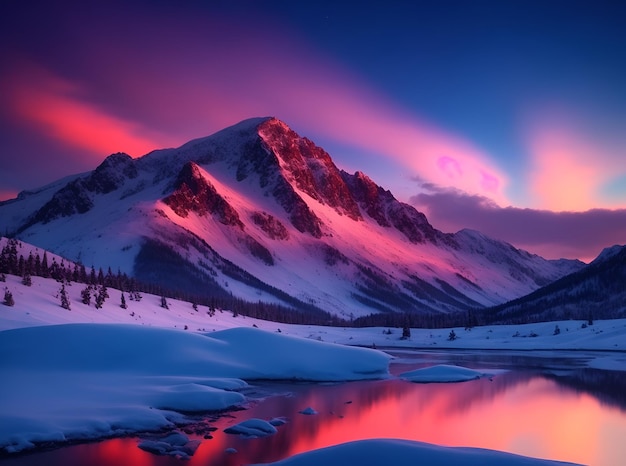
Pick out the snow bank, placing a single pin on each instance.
(407, 453)
(83, 381)
(441, 373)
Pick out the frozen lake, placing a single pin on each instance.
(540, 404)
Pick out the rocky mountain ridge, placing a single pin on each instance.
(257, 211)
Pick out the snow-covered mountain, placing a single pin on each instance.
(257, 211)
(597, 291)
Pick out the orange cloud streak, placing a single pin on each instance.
(570, 164)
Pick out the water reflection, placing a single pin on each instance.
(553, 415)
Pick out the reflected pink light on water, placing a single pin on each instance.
(515, 412)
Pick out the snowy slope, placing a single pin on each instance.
(39, 305)
(260, 212)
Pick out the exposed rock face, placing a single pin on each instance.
(193, 192)
(111, 174)
(260, 160)
(76, 196)
(411, 222)
(72, 199)
(371, 197)
(270, 225)
(309, 167)
(380, 205)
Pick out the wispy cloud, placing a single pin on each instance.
(62, 110)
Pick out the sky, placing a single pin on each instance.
(504, 117)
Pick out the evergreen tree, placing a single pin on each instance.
(452, 335)
(85, 295)
(8, 298)
(32, 266)
(123, 303)
(101, 296)
(194, 306)
(65, 301)
(3, 277)
(27, 280)
(45, 271)
(164, 303)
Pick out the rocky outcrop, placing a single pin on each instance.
(112, 173)
(193, 192)
(380, 205)
(272, 227)
(264, 163)
(72, 199)
(371, 197)
(309, 167)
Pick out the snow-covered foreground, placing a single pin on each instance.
(81, 381)
(90, 373)
(407, 453)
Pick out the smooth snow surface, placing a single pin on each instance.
(393, 452)
(82, 381)
(441, 373)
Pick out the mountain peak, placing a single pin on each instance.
(220, 210)
(309, 167)
(608, 253)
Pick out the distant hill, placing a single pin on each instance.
(597, 291)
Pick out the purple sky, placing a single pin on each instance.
(511, 114)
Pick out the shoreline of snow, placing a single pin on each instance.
(88, 381)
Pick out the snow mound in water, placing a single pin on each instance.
(441, 373)
(252, 428)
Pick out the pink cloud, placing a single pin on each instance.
(144, 89)
(59, 108)
(571, 162)
(450, 167)
(7, 194)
